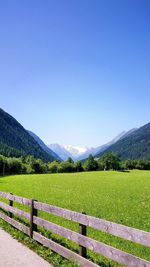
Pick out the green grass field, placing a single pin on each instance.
(118, 197)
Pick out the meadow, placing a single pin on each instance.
(121, 197)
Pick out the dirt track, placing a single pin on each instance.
(14, 254)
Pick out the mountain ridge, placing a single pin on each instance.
(81, 153)
(134, 146)
(43, 145)
(60, 150)
(17, 140)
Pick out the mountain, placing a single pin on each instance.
(127, 133)
(81, 153)
(44, 147)
(61, 151)
(76, 151)
(100, 149)
(16, 141)
(134, 145)
(66, 151)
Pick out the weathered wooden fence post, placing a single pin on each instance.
(82, 231)
(33, 212)
(11, 205)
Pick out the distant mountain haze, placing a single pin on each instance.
(94, 151)
(66, 151)
(76, 151)
(61, 151)
(80, 153)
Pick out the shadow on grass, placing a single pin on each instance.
(125, 171)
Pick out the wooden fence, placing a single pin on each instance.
(84, 242)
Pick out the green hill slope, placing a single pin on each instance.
(45, 147)
(16, 141)
(135, 146)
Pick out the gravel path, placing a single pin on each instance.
(14, 254)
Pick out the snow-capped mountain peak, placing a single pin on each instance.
(75, 151)
(80, 153)
(65, 151)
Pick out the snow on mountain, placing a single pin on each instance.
(61, 151)
(66, 151)
(75, 151)
(80, 153)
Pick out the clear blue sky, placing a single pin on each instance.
(76, 71)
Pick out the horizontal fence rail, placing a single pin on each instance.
(118, 230)
(20, 200)
(84, 242)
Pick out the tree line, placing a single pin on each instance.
(30, 165)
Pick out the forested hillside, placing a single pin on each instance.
(45, 147)
(134, 146)
(16, 141)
